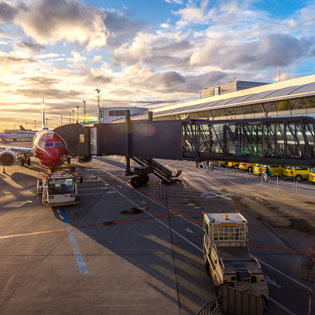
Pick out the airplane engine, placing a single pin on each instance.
(7, 158)
(85, 158)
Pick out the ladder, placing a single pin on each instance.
(158, 169)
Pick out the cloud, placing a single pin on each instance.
(7, 59)
(77, 59)
(97, 59)
(7, 12)
(48, 22)
(174, 1)
(138, 49)
(192, 14)
(29, 46)
(271, 50)
(121, 28)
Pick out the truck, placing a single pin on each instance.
(58, 189)
(227, 257)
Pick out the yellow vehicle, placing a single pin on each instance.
(312, 175)
(219, 163)
(233, 164)
(275, 169)
(296, 172)
(246, 166)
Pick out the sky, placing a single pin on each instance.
(142, 53)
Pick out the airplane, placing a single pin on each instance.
(48, 149)
(16, 136)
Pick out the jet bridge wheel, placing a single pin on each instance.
(22, 161)
(28, 161)
(144, 179)
(136, 181)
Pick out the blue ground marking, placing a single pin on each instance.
(80, 261)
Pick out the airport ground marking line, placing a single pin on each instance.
(292, 279)
(142, 193)
(195, 246)
(89, 194)
(95, 188)
(162, 223)
(281, 306)
(75, 247)
(285, 275)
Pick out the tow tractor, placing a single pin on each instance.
(226, 254)
(59, 189)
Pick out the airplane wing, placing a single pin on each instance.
(16, 135)
(17, 149)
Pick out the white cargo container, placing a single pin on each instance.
(226, 254)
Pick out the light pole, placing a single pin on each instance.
(98, 104)
(69, 117)
(84, 111)
(60, 120)
(77, 114)
(72, 115)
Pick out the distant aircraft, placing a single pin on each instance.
(48, 149)
(16, 136)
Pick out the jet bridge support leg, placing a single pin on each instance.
(128, 171)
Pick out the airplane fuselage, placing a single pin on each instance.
(49, 149)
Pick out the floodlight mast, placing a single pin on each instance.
(98, 104)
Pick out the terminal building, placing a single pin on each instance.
(242, 100)
(110, 114)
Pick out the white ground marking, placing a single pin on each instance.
(156, 219)
(88, 194)
(188, 230)
(17, 204)
(272, 282)
(283, 274)
(195, 246)
(281, 306)
(95, 188)
(216, 195)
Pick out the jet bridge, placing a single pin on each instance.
(282, 140)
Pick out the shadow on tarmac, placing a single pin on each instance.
(147, 245)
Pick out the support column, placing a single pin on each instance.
(150, 116)
(128, 143)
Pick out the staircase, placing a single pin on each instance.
(158, 169)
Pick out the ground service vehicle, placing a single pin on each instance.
(296, 172)
(226, 254)
(275, 169)
(312, 175)
(246, 166)
(219, 163)
(233, 164)
(58, 189)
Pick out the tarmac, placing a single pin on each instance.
(139, 251)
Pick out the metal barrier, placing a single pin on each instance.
(210, 308)
(235, 302)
